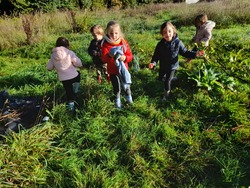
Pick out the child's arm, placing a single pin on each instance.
(106, 58)
(195, 36)
(128, 55)
(183, 51)
(50, 65)
(92, 49)
(207, 36)
(155, 58)
(76, 60)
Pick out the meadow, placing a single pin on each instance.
(200, 137)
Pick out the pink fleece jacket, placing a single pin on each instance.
(204, 33)
(65, 62)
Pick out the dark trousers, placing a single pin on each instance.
(168, 80)
(68, 86)
(116, 83)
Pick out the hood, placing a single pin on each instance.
(209, 25)
(59, 53)
(175, 37)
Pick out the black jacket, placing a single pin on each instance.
(167, 54)
(95, 46)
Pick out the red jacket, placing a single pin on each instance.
(111, 67)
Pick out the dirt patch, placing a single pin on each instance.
(21, 113)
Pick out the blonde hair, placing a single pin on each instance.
(97, 29)
(165, 24)
(112, 24)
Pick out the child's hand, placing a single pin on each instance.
(151, 65)
(200, 53)
(122, 58)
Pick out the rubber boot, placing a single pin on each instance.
(166, 95)
(71, 106)
(76, 86)
(118, 103)
(129, 99)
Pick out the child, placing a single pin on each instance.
(65, 62)
(117, 54)
(94, 51)
(203, 33)
(204, 29)
(166, 52)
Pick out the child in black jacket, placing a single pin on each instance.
(166, 52)
(94, 50)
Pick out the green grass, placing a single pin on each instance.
(198, 138)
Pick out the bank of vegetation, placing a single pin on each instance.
(200, 137)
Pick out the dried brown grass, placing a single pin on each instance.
(11, 33)
(25, 29)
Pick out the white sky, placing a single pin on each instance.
(191, 1)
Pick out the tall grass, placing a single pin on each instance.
(224, 12)
(24, 156)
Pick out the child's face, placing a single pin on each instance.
(168, 33)
(97, 36)
(114, 33)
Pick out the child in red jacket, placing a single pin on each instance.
(117, 54)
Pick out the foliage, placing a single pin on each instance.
(35, 5)
(208, 78)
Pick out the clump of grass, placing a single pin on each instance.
(24, 154)
(11, 33)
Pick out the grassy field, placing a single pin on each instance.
(200, 137)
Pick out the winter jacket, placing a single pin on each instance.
(94, 50)
(106, 58)
(65, 62)
(167, 54)
(204, 33)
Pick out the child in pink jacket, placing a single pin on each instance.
(203, 32)
(204, 29)
(65, 62)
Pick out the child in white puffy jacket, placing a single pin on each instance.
(65, 62)
(204, 29)
(203, 32)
